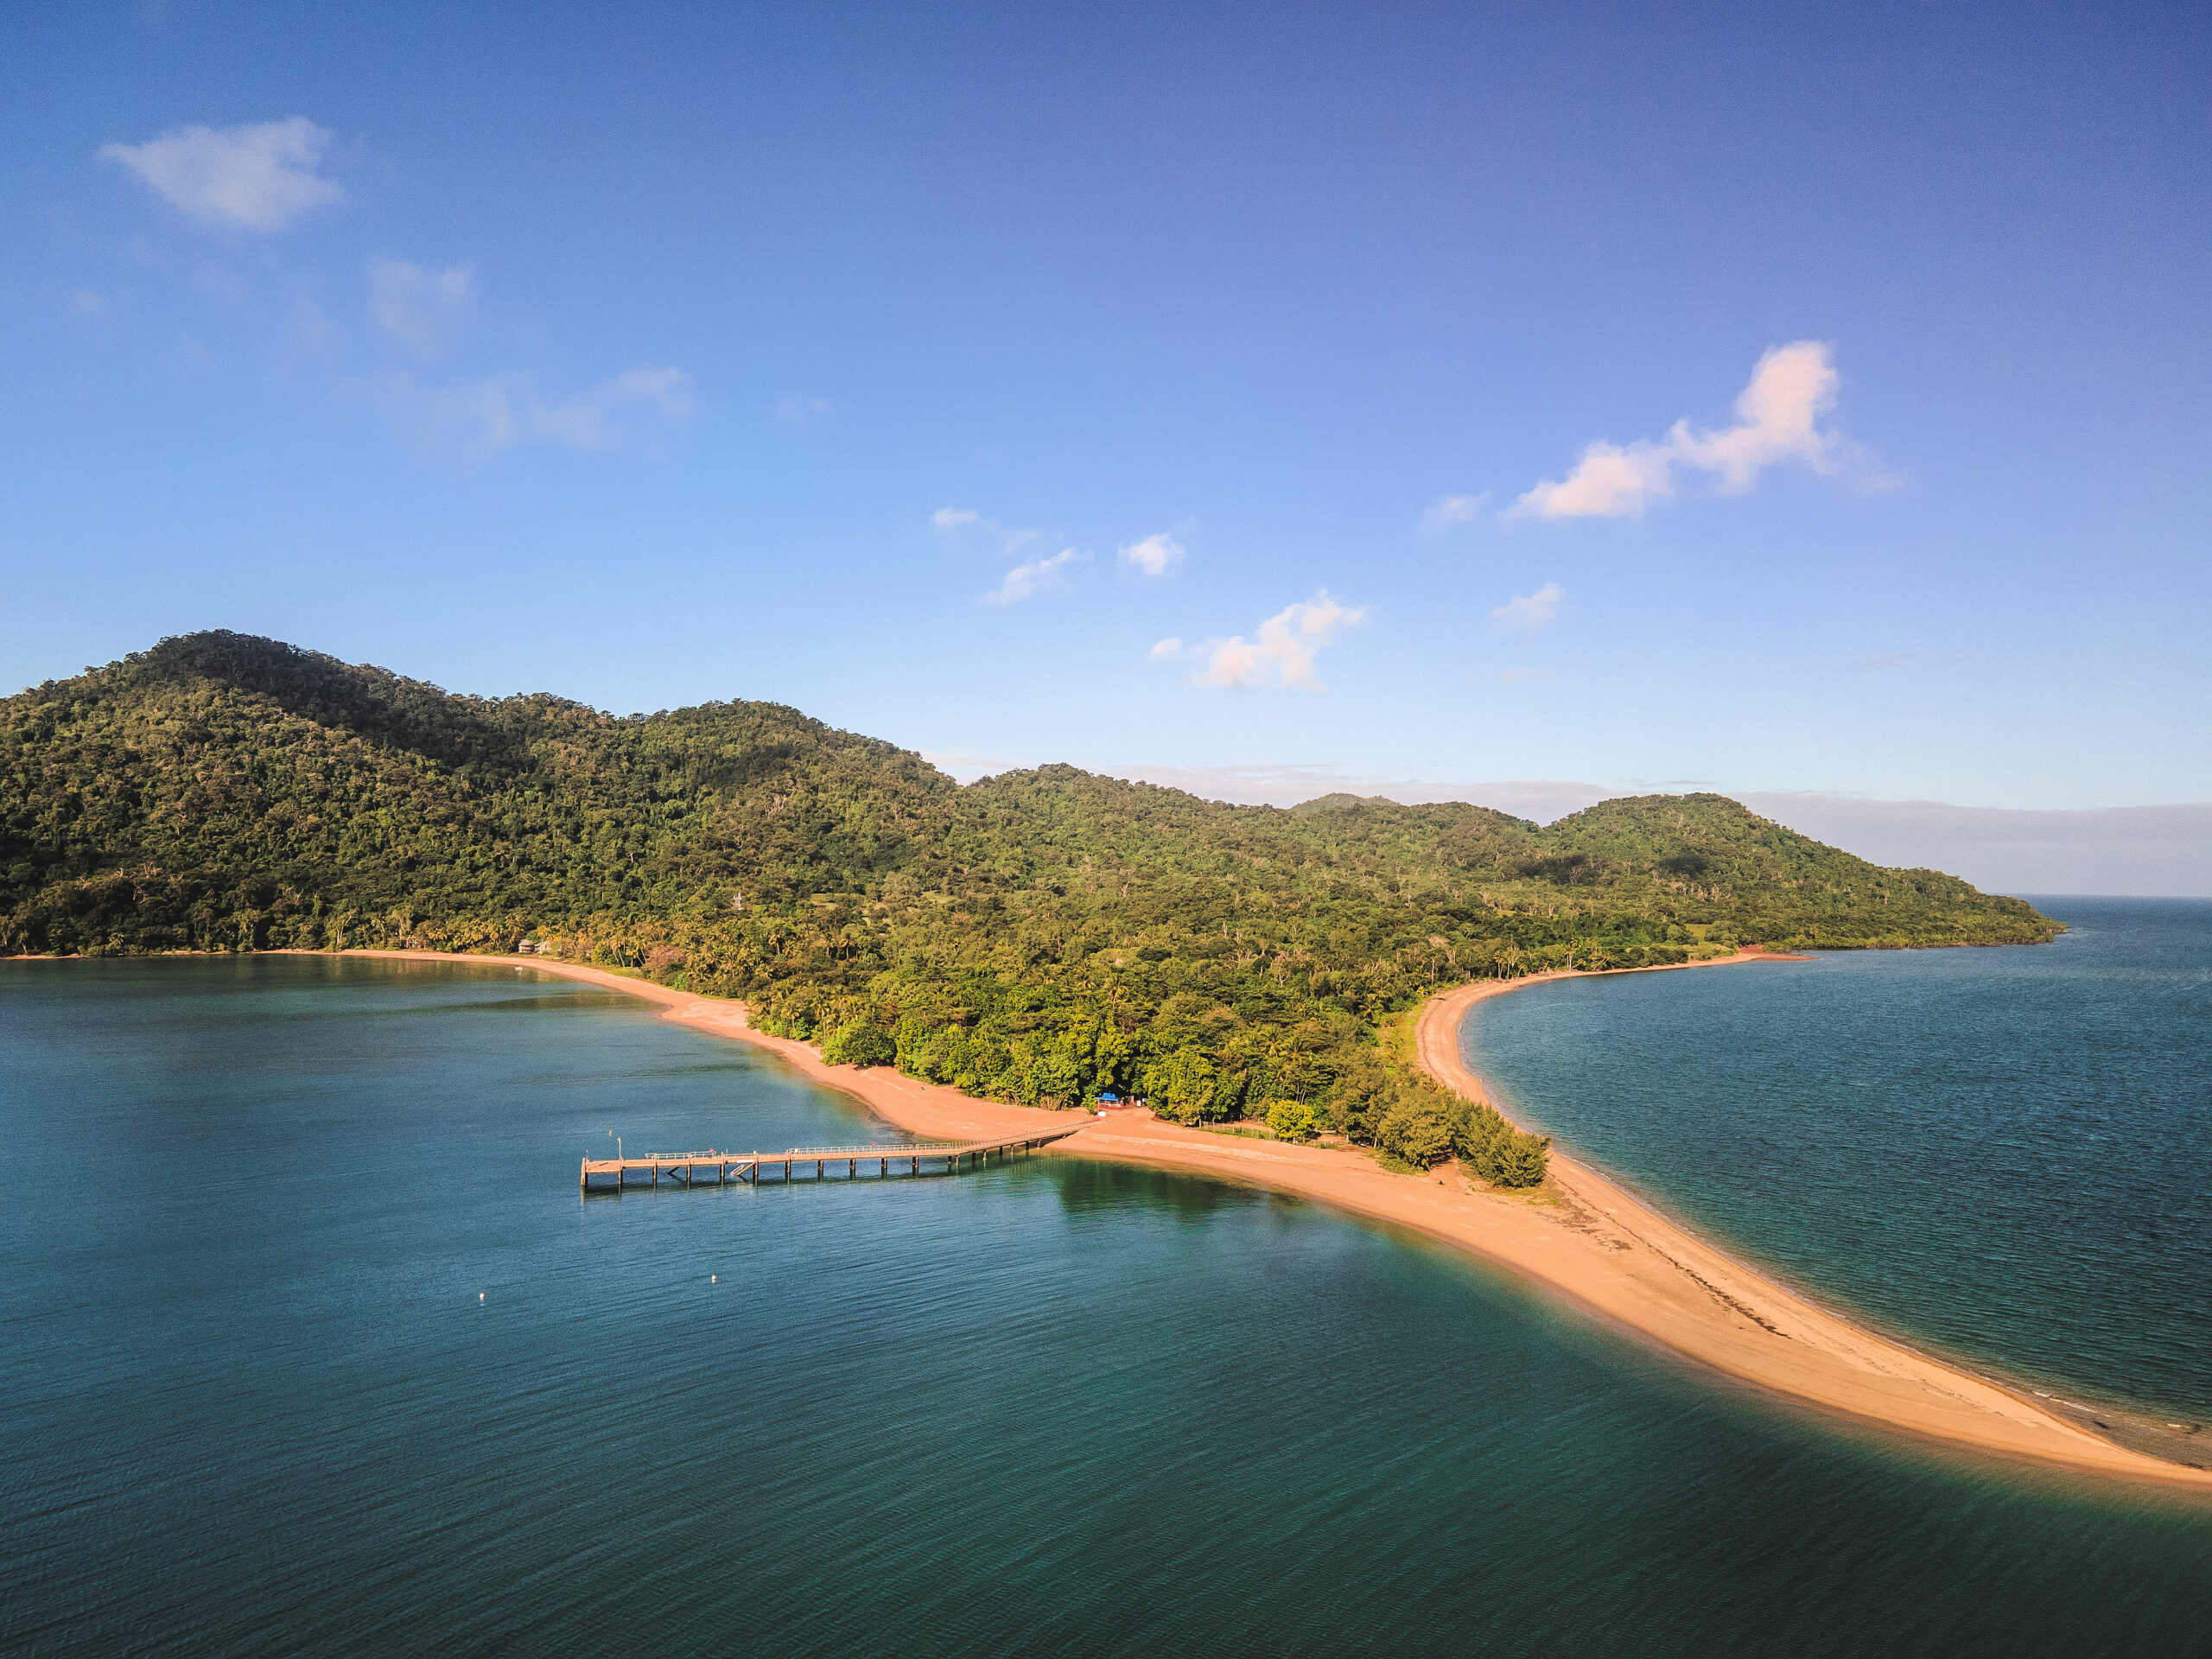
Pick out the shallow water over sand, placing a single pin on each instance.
(250, 1403)
(2007, 1153)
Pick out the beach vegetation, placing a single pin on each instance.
(1416, 1130)
(860, 1042)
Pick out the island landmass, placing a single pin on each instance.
(1046, 935)
(963, 958)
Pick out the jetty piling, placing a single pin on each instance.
(754, 1167)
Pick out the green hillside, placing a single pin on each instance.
(1039, 935)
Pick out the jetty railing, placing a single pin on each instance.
(714, 1167)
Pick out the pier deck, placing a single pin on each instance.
(712, 1167)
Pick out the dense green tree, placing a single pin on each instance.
(1038, 936)
(860, 1042)
(1185, 1087)
(1416, 1129)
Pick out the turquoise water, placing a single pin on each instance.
(2006, 1152)
(250, 1401)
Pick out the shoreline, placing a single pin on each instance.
(1581, 1236)
(1833, 1363)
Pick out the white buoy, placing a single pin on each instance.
(479, 1295)
(714, 1278)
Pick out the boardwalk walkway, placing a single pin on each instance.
(713, 1168)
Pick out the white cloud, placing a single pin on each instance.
(1154, 554)
(1793, 386)
(1025, 580)
(1778, 418)
(1531, 611)
(1610, 483)
(250, 178)
(418, 307)
(954, 518)
(1283, 654)
(1452, 511)
(800, 411)
(1167, 650)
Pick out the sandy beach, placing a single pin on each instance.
(1581, 1237)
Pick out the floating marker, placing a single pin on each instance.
(479, 1295)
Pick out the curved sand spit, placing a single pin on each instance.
(1592, 1242)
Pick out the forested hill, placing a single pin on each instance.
(1038, 934)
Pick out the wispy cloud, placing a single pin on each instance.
(461, 419)
(420, 307)
(259, 177)
(1025, 580)
(1155, 555)
(1777, 420)
(1452, 512)
(95, 313)
(586, 422)
(486, 416)
(247, 178)
(1519, 675)
(1011, 542)
(1531, 611)
(1167, 650)
(1880, 662)
(1033, 576)
(802, 411)
(1283, 653)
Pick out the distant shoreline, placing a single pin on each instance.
(1581, 1236)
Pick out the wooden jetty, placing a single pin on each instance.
(713, 1168)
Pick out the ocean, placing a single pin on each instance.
(310, 1346)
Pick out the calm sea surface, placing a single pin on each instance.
(2008, 1153)
(250, 1402)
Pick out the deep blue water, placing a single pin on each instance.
(2006, 1152)
(250, 1403)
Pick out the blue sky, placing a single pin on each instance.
(1204, 392)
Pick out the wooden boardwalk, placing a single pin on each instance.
(713, 1168)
